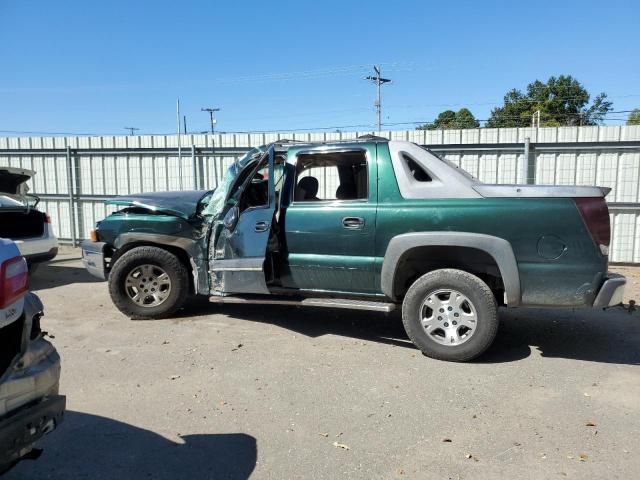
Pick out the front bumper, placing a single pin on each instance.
(93, 258)
(612, 291)
(20, 430)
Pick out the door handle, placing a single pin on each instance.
(261, 226)
(353, 223)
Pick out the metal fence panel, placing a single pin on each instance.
(75, 174)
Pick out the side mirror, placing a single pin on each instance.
(231, 218)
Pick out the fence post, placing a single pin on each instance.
(215, 166)
(194, 166)
(530, 161)
(72, 213)
(200, 170)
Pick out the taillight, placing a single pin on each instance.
(595, 214)
(47, 218)
(14, 280)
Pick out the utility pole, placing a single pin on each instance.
(131, 129)
(534, 117)
(211, 112)
(378, 81)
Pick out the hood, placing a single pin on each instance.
(183, 204)
(13, 180)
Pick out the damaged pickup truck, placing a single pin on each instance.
(367, 224)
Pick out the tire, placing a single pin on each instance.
(148, 283)
(450, 315)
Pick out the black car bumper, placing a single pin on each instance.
(42, 257)
(22, 428)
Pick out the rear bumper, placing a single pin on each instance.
(612, 291)
(39, 249)
(93, 258)
(24, 427)
(42, 257)
(29, 402)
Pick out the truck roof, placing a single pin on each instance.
(448, 180)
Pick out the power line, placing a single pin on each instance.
(471, 104)
(390, 124)
(330, 127)
(308, 74)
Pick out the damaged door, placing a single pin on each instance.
(238, 264)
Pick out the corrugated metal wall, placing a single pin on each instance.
(75, 174)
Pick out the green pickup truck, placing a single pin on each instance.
(368, 224)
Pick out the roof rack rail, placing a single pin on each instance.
(369, 136)
(283, 142)
(290, 140)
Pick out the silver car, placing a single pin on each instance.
(30, 405)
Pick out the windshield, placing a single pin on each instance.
(220, 194)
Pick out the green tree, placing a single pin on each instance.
(634, 117)
(465, 119)
(449, 119)
(561, 101)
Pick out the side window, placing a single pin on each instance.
(415, 169)
(331, 176)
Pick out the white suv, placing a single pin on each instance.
(29, 228)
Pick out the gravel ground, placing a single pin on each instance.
(280, 392)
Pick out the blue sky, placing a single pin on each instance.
(95, 67)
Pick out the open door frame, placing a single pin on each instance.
(240, 250)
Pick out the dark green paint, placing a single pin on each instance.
(520, 221)
(153, 224)
(322, 255)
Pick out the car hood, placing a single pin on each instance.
(183, 204)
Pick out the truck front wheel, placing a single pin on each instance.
(148, 282)
(450, 315)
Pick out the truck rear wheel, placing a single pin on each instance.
(148, 282)
(450, 315)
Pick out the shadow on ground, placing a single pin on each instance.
(581, 334)
(59, 274)
(310, 321)
(93, 447)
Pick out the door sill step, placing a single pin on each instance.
(347, 303)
